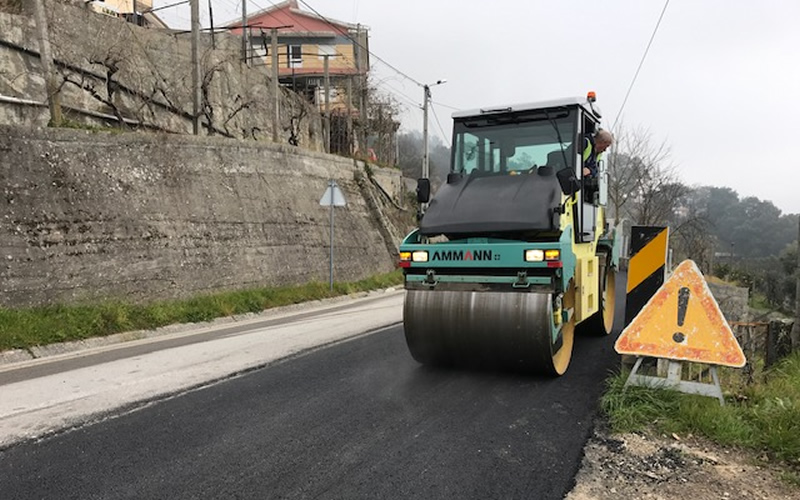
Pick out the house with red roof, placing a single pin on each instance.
(305, 38)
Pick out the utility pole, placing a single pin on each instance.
(211, 19)
(427, 89)
(276, 117)
(245, 33)
(195, 4)
(361, 69)
(425, 172)
(350, 115)
(327, 134)
(795, 335)
(53, 95)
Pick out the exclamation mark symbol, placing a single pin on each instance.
(683, 303)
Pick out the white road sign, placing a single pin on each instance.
(333, 196)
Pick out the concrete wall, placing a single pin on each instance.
(732, 300)
(90, 216)
(112, 71)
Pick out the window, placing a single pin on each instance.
(295, 56)
(507, 143)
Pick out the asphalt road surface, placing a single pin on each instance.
(359, 419)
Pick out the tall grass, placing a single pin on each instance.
(24, 328)
(766, 416)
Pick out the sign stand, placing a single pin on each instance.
(332, 197)
(674, 381)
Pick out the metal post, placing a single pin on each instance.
(195, 4)
(331, 185)
(276, 118)
(327, 104)
(53, 95)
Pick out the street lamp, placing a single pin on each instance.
(425, 166)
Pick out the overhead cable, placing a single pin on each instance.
(646, 50)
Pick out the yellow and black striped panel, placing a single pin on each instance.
(646, 268)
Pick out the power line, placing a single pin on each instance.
(446, 106)
(410, 100)
(646, 50)
(359, 44)
(444, 136)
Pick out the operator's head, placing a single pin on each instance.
(602, 140)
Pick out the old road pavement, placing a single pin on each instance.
(357, 418)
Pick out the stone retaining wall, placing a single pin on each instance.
(88, 216)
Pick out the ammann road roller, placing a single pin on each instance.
(513, 253)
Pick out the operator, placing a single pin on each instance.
(595, 146)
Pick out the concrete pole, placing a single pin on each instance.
(361, 69)
(327, 122)
(53, 95)
(276, 118)
(245, 33)
(211, 21)
(425, 167)
(350, 116)
(195, 4)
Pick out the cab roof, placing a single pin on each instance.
(512, 108)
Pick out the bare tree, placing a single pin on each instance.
(383, 112)
(643, 184)
(378, 124)
(691, 234)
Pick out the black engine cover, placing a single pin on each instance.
(494, 204)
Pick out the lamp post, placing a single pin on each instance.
(427, 89)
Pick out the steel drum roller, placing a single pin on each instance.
(509, 330)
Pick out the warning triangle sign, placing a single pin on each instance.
(682, 321)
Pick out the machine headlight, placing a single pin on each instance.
(534, 255)
(420, 256)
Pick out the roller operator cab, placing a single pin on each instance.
(513, 253)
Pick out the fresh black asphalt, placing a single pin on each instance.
(360, 419)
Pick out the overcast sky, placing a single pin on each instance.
(717, 86)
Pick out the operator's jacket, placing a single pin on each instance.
(590, 156)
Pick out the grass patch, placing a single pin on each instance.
(24, 328)
(766, 417)
(759, 301)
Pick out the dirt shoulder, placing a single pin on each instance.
(641, 466)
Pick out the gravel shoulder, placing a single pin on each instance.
(646, 466)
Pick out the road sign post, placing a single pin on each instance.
(332, 197)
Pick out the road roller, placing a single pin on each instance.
(512, 258)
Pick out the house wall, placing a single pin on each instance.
(89, 216)
(126, 6)
(342, 58)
